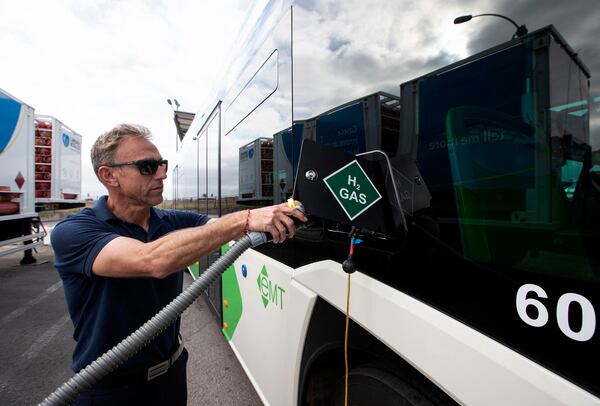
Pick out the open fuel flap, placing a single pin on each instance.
(363, 191)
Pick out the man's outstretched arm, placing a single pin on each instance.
(127, 257)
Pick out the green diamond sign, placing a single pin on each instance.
(352, 189)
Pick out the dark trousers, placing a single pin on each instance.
(168, 389)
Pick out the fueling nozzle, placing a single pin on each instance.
(293, 204)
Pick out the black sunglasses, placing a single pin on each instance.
(145, 166)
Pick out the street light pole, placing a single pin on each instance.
(521, 30)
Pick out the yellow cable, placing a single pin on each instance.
(346, 342)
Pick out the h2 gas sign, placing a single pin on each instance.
(352, 189)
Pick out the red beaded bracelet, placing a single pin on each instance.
(247, 221)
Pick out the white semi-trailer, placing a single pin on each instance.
(40, 167)
(57, 164)
(17, 186)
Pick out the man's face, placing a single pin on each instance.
(143, 189)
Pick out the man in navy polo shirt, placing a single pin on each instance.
(120, 263)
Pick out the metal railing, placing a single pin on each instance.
(36, 238)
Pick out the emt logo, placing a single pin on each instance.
(269, 291)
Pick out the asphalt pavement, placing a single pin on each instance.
(36, 341)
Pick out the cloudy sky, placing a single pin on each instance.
(94, 64)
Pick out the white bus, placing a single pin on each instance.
(486, 289)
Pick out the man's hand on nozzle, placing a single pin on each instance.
(278, 220)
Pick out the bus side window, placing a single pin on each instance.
(256, 91)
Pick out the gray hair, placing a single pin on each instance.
(103, 150)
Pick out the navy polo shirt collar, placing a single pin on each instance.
(103, 212)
